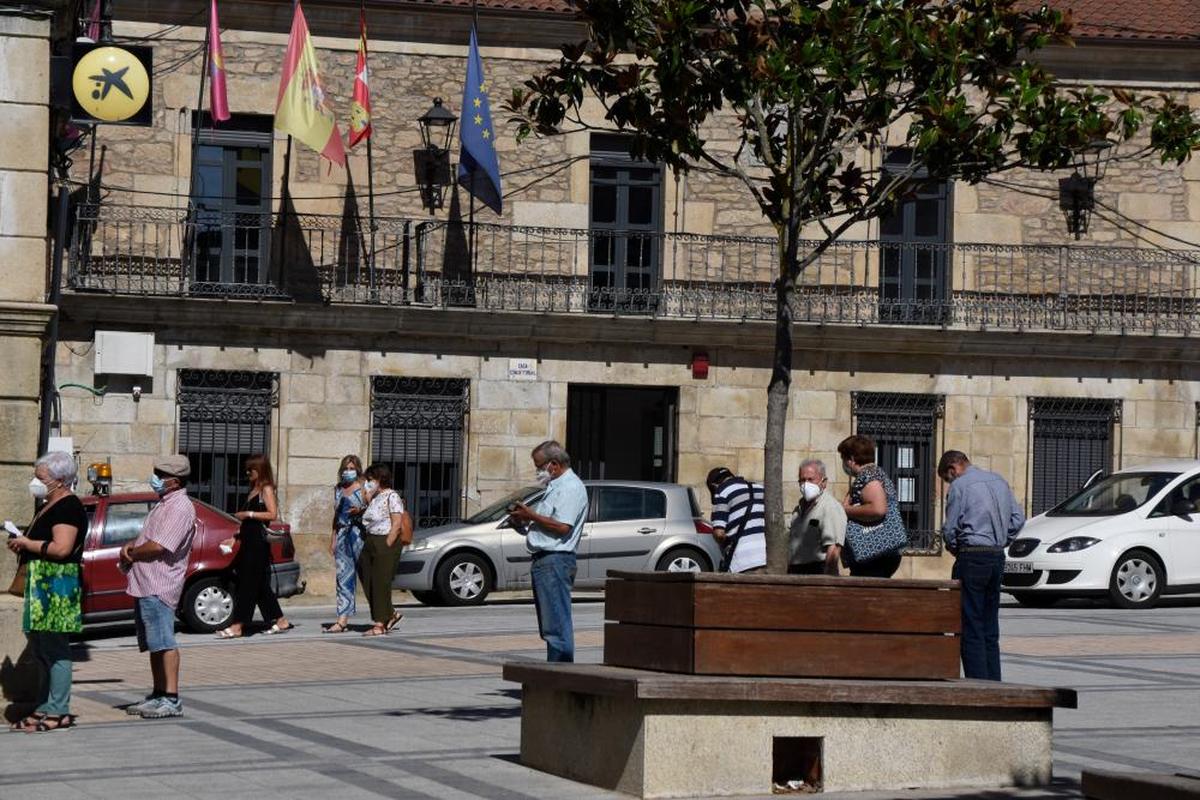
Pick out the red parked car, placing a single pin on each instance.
(207, 601)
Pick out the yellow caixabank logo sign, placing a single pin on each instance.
(112, 84)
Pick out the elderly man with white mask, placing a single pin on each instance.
(818, 527)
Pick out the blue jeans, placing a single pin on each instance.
(980, 574)
(553, 575)
(53, 652)
(155, 622)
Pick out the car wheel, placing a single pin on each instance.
(1137, 580)
(1035, 600)
(426, 598)
(207, 605)
(463, 579)
(683, 559)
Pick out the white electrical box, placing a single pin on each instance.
(124, 353)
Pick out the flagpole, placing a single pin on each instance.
(204, 67)
(370, 170)
(471, 212)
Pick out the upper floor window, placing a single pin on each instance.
(229, 242)
(625, 261)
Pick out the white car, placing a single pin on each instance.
(1132, 536)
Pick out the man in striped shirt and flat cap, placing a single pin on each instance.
(739, 521)
(157, 563)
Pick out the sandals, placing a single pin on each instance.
(28, 723)
(393, 622)
(336, 627)
(378, 630)
(275, 630)
(225, 633)
(48, 723)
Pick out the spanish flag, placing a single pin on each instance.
(301, 110)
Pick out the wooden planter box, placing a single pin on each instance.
(782, 625)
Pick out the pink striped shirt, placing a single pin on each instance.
(171, 524)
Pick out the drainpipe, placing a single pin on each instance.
(53, 298)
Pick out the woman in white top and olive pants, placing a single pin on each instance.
(388, 528)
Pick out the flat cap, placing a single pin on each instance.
(176, 466)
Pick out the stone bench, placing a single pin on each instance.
(658, 734)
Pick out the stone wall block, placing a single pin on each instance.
(303, 471)
(23, 203)
(346, 390)
(814, 405)
(513, 395)
(26, 74)
(531, 423)
(489, 422)
(327, 444)
(303, 388)
(496, 462)
(733, 402)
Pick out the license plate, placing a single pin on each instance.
(1018, 566)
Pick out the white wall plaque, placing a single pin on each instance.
(522, 369)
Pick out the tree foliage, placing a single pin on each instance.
(814, 89)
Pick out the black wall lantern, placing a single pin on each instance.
(432, 162)
(1077, 194)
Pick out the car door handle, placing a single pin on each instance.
(647, 530)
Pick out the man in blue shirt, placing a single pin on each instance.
(982, 517)
(553, 535)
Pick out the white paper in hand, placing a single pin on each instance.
(13, 530)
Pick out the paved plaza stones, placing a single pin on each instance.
(424, 712)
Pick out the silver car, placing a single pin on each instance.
(631, 525)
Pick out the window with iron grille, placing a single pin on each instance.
(1071, 439)
(904, 428)
(417, 429)
(224, 417)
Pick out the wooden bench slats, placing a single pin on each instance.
(804, 607)
(650, 685)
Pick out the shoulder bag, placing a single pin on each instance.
(868, 542)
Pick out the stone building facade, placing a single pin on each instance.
(1040, 357)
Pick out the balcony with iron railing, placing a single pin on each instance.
(161, 252)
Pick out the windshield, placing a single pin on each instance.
(499, 509)
(1116, 494)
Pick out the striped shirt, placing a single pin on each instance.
(738, 508)
(171, 524)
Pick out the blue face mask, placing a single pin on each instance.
(349, 475)
(158, 485)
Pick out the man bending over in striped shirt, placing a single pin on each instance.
(157, 565)
(739, 521)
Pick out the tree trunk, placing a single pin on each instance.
(778, 392)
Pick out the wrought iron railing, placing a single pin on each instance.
(155, 251)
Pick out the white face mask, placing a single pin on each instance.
(846, 469)
(544, 476)
(371, 486)
(810, 490)
(38, 489)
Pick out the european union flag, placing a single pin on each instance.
(478, 167)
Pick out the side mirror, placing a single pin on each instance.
(1182, 508)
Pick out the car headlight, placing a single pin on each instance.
(420, 544)
(1073, 544)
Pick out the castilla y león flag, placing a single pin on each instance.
(219, 100)
(301, 109)
(360, 106)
